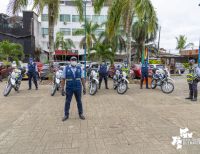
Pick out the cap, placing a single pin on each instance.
(73, 59)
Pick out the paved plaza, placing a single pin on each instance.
(139, 122)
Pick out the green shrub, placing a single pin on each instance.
(153, 61)
(186, 65)
(6, 63)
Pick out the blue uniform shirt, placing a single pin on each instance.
(73, 70)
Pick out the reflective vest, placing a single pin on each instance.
(191, 76)
(103, 70)
(32, 68)
(73, 80)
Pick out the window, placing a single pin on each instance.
(99, 19)
(62, 2)
(74, 30)
(44, 17)
(66, 31)
(45, 31)
(95, 18)
(75, 18)
(88, 17)
(99, 31)
(65, 17)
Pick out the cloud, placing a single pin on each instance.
(178, 17)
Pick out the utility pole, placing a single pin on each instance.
(159, 40)
(85, 50)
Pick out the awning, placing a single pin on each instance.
(64, 52)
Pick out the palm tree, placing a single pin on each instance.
(141, 35)
(124, 12)
(64, 44)
(103, 52)
(182, 43)
(90, 35)
(53, 12)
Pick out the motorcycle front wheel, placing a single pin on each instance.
(7, 89)
(53, 90)
(122, 88)
(153, 84)
(93, 88)
(167, 87)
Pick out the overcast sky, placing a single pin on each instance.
(175, 17)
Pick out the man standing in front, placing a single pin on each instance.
(192, 80)
(74, 77)
(103, 74)
(32, 74)
(144, 71)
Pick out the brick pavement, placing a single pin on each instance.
(141, 121)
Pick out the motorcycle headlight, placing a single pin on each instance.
(58, 75)
(124, 74)
(13, 75)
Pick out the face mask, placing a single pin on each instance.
(73, 63)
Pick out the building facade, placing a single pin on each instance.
(69, 22)
(23, 30)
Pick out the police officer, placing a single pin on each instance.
(144, 71)
(74, 77)
(103, 74)
(32, 73)
(192, 81)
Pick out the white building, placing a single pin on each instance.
(68, 22)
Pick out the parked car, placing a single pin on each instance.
(135, 71)
(4, 71)
(180, 68)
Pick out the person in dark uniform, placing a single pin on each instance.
(103, 74)
(192, 80)
(32, 74)
(74, 77)
(144, 71)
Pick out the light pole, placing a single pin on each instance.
(85, 49)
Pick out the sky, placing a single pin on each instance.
(176, 17)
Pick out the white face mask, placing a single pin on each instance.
(73, 63)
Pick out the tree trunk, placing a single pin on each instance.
(51, 33)
(129, 38)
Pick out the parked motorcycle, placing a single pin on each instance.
(57, 82)
(120, 82)
(162, 78)
(93, 82)
(14, 81)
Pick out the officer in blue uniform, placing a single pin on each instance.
(32, 73)
(103, 74)
(74, 77)
(144, 71)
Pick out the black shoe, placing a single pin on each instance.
(81, 116)
(147, 88)
(141, 88)
(29, 88)
(36, 88)
(188, 98)
(107, 88)
(65, 118)
(194, 99)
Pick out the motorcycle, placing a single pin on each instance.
(14, 81)
(162, 78)
(93, 83)
(57, 82)
(120, 82)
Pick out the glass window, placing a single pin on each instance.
(66, 31)
(74, 30)
(88, 18)
(62, 2)
(75, 18)
(44, 17)
(99, 31)
(45, 31)
(65, 17)
(95, 18)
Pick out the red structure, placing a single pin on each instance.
(63, 55)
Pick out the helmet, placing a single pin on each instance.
(73, 59)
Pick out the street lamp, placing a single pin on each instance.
(85, 50)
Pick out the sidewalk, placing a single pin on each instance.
(139, 122)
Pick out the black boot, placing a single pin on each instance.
(190, 96)
(195, 96)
